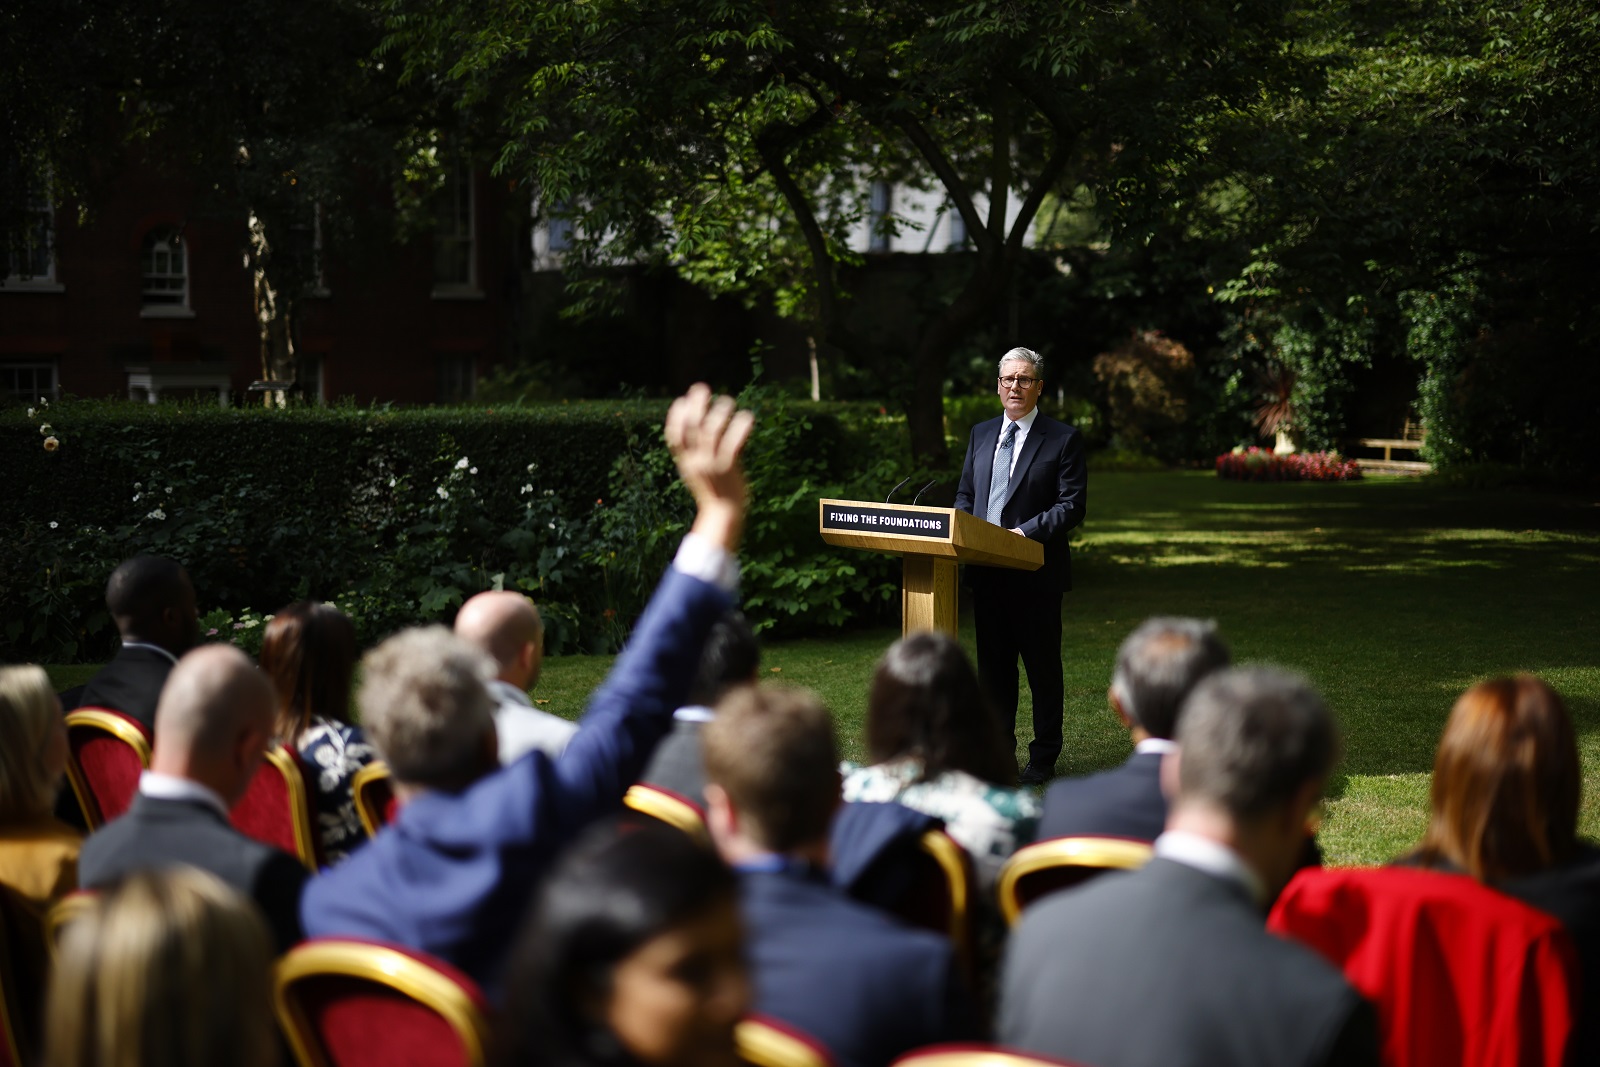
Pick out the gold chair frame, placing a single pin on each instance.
(763, 1045)
(385, 966)
(374, 771)
(668, 808)
(61, 914)
(305, 835)
(123, 730)
(1100, 853)
(953, 861)
(974, 1056)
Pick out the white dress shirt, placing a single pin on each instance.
(171, 787)
(1212, 857)
(1023, 424)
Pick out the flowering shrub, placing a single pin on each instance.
(1261, 465)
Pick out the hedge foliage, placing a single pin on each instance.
(398, 515)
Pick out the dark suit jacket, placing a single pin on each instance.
(677, 764)
(131, 683)
(453, 873)
(1170, 965)
(1047, 494)
(1125, 801)
(851, 977)
(156, 833)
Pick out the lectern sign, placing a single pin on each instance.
(865, 518)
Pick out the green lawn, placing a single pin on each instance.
(1393, 595)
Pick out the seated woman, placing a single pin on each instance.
(633, 956)
(38, 855)
(168, 969)
(1504, 800)
(935, 747)
(309, 652)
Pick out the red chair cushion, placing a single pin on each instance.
(362, 1023)
(110, 768)
(266, 812)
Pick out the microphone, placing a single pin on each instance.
(896, 489)
(924, 489)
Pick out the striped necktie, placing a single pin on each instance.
(1000, 477)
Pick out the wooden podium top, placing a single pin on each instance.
(943, 533)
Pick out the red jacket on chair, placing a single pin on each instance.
(1459, 973)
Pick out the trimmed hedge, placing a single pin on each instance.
(398, 515)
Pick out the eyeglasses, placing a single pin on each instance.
(1021, 380)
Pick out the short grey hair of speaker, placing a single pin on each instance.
(1251, 739)
(1026, 355)
(1160, 663)
(425, 704)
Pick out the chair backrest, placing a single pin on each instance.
(108, 752)
(357, 1003)
(373, 790)
(766, 1042)
(664, 805)
(1045, 867)
(976, 1055)
(1458, 973)
(276, 807)
(24, 967)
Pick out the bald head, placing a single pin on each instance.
(213, 720)
(505, 625)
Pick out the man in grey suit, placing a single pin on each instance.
(731, 659)
(1171, 964)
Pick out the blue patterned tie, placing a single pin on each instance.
(1000, 477)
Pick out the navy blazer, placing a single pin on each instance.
(1045, 498)
(131, 683)
(453, 873)
(155, 833)
(1125, 801)
(865, 986)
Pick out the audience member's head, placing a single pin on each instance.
(168, 969)
(731, 657)
(925, 702)
(507, 626)
(1506, 782)
(1158, 665)
(214, 720)
(308, 652)
(425, 705)
(1257, 745)
(152, 601)
(772, 772)
(632, 956)
(33, 745)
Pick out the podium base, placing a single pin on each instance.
(928, 595)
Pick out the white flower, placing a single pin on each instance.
(552, 526)
(136, 497)
(157, 514)
(252, 624)
(169, 490)
(526, 489)
(461, 464)
(549, 492)
(474, 470)
(532, 467)
(53, 525)
(51, 444)
(30, 413)
(444, 494)
(138, 485)
(392, 483)
(44, 429)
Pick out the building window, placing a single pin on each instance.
(958, 231)
(561, 227)
(164, 273)
(454, 256)
(878, 217)
(30, 381)
(28, 254)
(458, 377)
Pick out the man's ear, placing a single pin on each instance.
(722, 820)
(1170, 768)
(1116, 706)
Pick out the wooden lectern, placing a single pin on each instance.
(933, 541)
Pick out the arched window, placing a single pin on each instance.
(163, 265)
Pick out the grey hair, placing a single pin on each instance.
(425, 704)
(1026, 355)
(1251, 739)
(1159, 663)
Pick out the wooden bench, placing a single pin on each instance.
(1388, 464)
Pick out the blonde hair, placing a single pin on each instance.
(170, 968)
(28, 714)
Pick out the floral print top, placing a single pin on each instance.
(989, 821)
(333, 752)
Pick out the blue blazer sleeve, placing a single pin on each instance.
(967, 487)
(1063, 509)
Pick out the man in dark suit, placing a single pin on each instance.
(212, 727)
(1157, 667)
(1172, 963)
(452, 874)
(731, 658)
(1026, 472)
(152, 602)
(846, 974)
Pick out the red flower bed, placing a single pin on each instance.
(1260, 465)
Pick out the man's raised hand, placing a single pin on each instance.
(706, 436)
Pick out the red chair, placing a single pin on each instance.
(674, 809)
(975, 1055)
(1045, 867)
(24, 965)
(376, 803)
(766, 1042)
(109, 751)
(276, 807)
(1459, 973)
(365, 1004)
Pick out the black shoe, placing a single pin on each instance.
(1032, 775)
